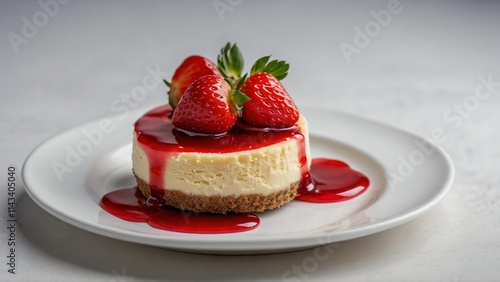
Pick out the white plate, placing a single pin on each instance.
(406, 180)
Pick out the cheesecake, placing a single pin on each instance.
(226, 142)
(247, 169)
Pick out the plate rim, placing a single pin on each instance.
(274, 244)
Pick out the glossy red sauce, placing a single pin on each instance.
(331, 181)
(129, 204)
(326, 181)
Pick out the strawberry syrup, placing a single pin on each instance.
(331, 181)
(326, 181)
(129, 204)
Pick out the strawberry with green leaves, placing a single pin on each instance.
(212, 103)
(190, 69)
(269, 104)
(210, 106)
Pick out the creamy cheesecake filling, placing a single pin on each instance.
(261, 171)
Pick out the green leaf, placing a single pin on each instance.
(167, 83)
(276, 68)
(230, 82)
(238, 99)
(230, 62)
(241, 82)
(259, 65)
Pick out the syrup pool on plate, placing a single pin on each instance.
(129, 204)
(331, 181)
(326, 181)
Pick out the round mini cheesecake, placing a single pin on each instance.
(244, 170)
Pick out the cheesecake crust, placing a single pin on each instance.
(223, 204)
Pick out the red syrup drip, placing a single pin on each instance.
(331, 181)
(129, 204)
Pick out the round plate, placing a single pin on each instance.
(69, 173)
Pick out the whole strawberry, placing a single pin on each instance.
(190, 69)
(208, 106)
(269, 104)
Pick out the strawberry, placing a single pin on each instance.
(191, 68)
(269, 104)
(208, 106)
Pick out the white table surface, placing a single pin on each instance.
(414, 72)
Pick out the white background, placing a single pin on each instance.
(413, 72)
